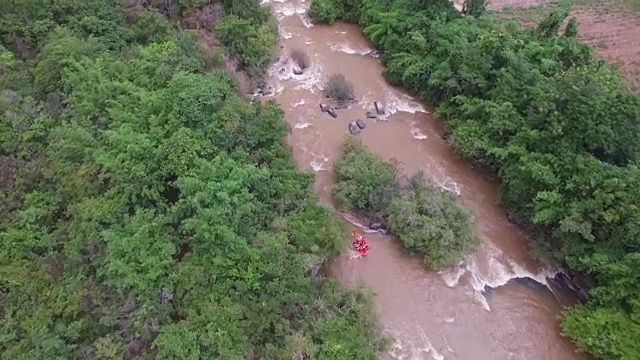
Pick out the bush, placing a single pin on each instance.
(338, 88)
(427, 220)
(300, 58)
(250, 44)
(364, 182)
(327, 11)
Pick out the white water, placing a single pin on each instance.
(500, 269)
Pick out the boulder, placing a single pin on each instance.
(297, 70)
(360, 124)
(354, 129)
(371, 115)
(373, 54)
(379, 108)
(323, 107)
(268, 91)
(331, 111)
(377, 226)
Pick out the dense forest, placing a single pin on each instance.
(147, 209)
(552, 121)
(426, 219)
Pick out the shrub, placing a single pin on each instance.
(427, 220)
(300, 58)
(364, 182)
(338, 88)
(327, 11)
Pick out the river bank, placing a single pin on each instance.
(451, 314)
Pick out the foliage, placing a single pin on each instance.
(556, 125)
(249, 43)
(327, 11)
(300, 58)
(425, 219)
(338, 88)
(428, 220)
(364, 182)
(475, 8)
(148, 210)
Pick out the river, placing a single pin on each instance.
(431, 315)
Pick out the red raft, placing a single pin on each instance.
(360, 244)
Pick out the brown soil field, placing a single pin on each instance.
(609, 27)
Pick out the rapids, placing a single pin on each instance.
(473, 311)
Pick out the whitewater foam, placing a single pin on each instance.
(305, 21)
(298, 103)
(403, 348)
(499, 274)
(310, 79)
(283, 33)
(283, 10)
(443, 181)
(318, 163)
(397, 101)
(302, 125)
(347, 48)
(416, 133)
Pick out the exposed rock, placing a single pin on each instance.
(268, 91)
(354, 129)
(341, 106)
(371, 115)
(282, 70)
(323, 107)
(379, 108)
(297, 70)
(373, 53)
(331, 111)
(576, 284)
(377, 226)
(360, 124)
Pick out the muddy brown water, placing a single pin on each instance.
(431, 315)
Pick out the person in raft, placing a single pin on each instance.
(359, 243)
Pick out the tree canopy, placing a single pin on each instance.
(147, 209)
(554, 122)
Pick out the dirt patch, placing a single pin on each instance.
(611, 28)
(615, 37)
(502, 4)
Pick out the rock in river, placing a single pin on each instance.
(354, 129)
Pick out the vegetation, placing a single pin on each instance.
(249, 43)
(364, 182)
(147, 209)
(555, 123)
(338, 88)
(430, 222)
(426, 219)
(300, 58)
